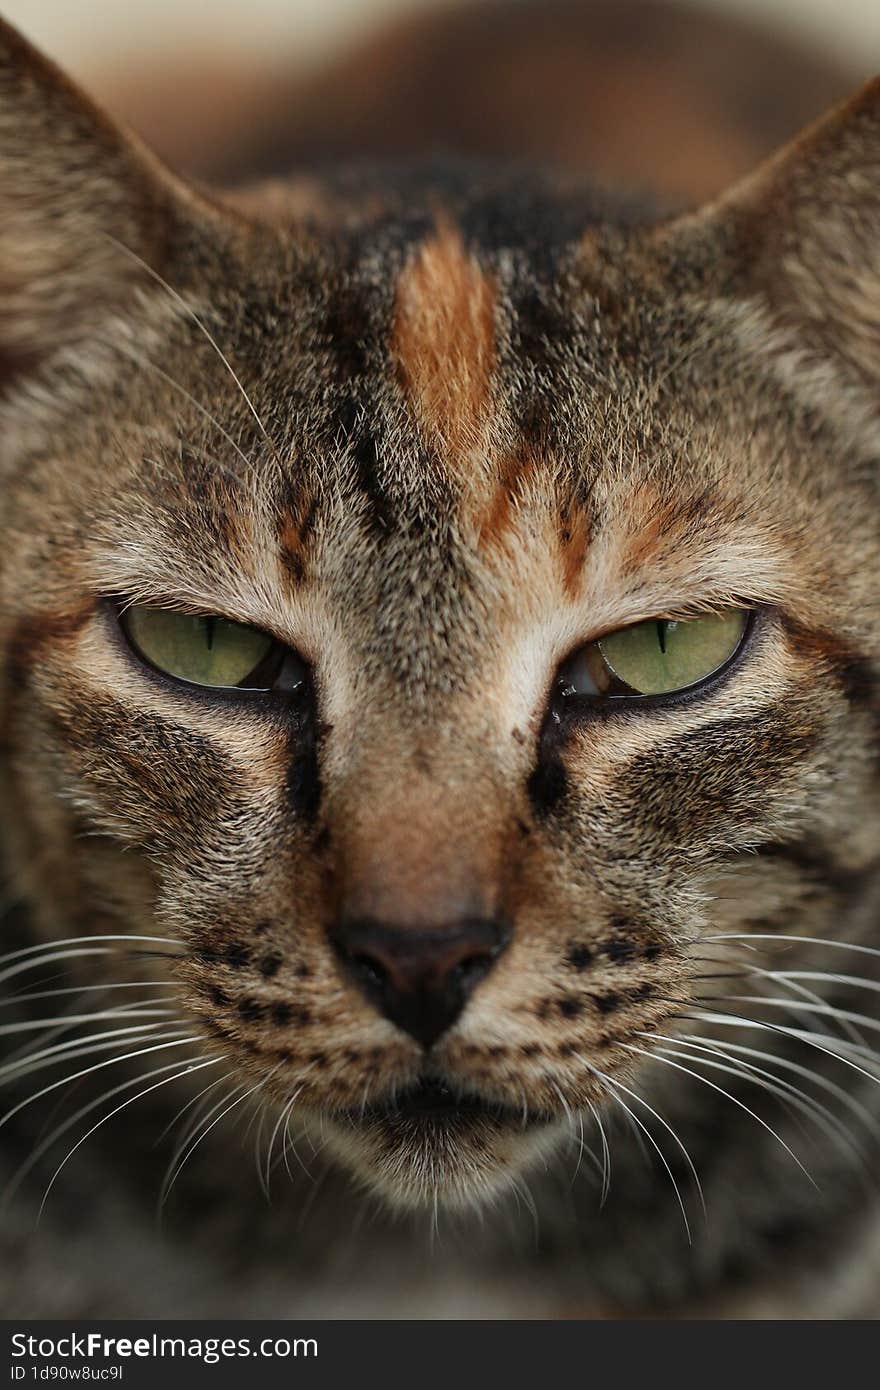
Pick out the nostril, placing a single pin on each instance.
(372, 974)
(468, 973)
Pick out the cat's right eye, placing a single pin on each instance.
(209, 651)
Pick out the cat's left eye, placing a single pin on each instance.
(210, 651)
(659, 657)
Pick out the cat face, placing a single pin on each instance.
(434, 883)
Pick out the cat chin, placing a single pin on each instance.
(459, 1164)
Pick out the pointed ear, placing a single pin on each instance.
(802, 235)
(72, 189)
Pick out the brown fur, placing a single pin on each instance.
(444, 342)
(436, 436)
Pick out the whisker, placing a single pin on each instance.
(822, 1009)
(838, 1048)
(785, 936)
(41, 1024)
(640, 1142)
(96, 938)
(521, 1189)
(584, 1149)
(36, 1040)
(24, 996)
(195, 1065)
(856, 981)
(630, 1047)
(143, 953)
(281, 1124)
(89, 1071)
(640, 1100)
(606, 1154)
(789, 1094)
(33, 964)
(141, 360)
(611, 1086)
(290, 1144)
(203, 1108)
(170, 1181)
(27, 1048)
(258, 1150)
(812, 997)
(188, 1105)
(40, 1149)
(96, 1042)
(191, 313)
(870, 1121)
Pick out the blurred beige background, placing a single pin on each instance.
(84, 34)
(678, 98)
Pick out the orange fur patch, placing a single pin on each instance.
(574, 541)
(498, 515)
(444, 342)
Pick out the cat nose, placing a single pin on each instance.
(420, 979)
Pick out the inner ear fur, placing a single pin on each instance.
(74, 190)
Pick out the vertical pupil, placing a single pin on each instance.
(661, 635)
(209, 633)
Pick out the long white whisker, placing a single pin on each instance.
(15, 1000)
(166, 1188)
(583, 1149)
(188, 1105)
(203, 1109)
(84, 1110)
(821, 1009)
(141, 360)
(615, 1096)
(32, 1045)
(281, 1124)
(34, 962)
(666, 1061)
(95, 1042)
(97, 938)
(796, 987)
(191, 313)
(606, 1153)
(290, 1143)
(837, 1048)
(89, 1071)
(187, 1070)
(784, 936)
(856, 981)
(640, 1100)
(871, 1123)
(41, 1024)
(774, 1085)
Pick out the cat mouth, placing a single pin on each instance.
(432, 1141)
(431, 1102)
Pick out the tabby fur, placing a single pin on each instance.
(436, 427)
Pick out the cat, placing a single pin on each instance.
(438, 615)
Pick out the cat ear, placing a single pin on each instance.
(74, 191)
(802, 236)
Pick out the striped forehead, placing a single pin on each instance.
(460, 425)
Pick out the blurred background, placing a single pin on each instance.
(679, 96)
(85, 33)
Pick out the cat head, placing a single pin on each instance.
(440, 604)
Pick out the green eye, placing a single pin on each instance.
(203, 651)
(657, 657)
